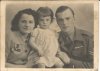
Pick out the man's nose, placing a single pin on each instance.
(27, 24)
(65, 22)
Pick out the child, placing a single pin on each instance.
(44, 40)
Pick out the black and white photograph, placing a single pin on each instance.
(49, 35)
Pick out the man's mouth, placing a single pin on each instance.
(26, 28)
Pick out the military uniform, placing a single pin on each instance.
(80, 49)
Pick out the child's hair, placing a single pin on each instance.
(45, 11)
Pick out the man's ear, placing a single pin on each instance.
(74, 20)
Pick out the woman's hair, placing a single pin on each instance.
(45, 11)
(15, 21)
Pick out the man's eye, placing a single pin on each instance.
(59, 19)
(30, 21)
(67, 18)
(23, 21)
(41, 20)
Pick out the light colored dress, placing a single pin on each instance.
(46, 39)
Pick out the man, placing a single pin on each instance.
(77, 43)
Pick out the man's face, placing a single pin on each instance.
(65, 21)
(26, 23)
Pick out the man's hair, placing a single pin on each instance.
(45, 11)
(15, 21)
(63, 8)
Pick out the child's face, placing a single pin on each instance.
(44, 22)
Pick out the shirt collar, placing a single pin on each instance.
(77, 34)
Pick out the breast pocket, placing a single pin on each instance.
(78, 50)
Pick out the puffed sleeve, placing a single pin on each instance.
(34, 33)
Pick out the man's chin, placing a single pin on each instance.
(65, 31)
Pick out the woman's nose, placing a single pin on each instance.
(44, 22)
(27, 24)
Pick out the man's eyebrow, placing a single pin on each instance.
(67, 17)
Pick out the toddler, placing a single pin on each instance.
(45, 41)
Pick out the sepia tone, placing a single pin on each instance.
(85, 18)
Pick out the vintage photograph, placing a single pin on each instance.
(51, 34)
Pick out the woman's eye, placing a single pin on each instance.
(23, 21)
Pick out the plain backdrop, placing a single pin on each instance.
(84, 13)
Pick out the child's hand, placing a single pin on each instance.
(40, 52)
(64, 57)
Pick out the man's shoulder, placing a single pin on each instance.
(85, 33)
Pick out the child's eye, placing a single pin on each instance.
(47, 19)
(30, 21)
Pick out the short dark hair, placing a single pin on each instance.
(15, 21)
(45, 11)
(63, 8)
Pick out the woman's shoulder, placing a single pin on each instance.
(12, 36)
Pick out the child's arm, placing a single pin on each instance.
(63, 56)
(34, 46)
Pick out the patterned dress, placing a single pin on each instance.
(17, 50)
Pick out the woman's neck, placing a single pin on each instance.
(24, 35)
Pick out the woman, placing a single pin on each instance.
(18, 52)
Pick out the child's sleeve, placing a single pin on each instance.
(34, 33)
(33, 38)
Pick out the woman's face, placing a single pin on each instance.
(26, 23)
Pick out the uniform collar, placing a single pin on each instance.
(78, 35)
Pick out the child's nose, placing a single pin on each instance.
(45, 22)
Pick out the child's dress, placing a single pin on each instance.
(46, 39)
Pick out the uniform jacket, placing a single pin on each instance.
(81, 48)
